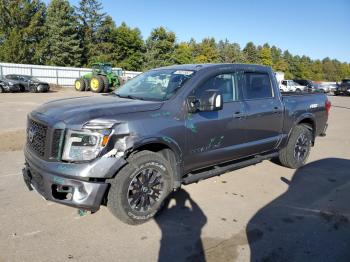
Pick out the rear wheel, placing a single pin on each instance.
(87, 84)
(295, 154)
(105, 83)
(96, 84)
(139, 189)
(79, 85)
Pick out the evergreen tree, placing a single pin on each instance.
(130, 48)
(251, 53)
(62, 42)
(91, 18)
(160, 48)
(105, 47)
(21, 30)
(229, 52)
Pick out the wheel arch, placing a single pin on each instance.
(309, 121)
(168, 148)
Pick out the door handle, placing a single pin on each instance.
(276, 110)
(238, 114)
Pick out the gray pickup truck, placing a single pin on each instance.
(167, 127)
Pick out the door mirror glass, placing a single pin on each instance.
(210, 100)
(192, 104)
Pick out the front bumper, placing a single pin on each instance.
(71, 192)
(68, 183)
(13, 88)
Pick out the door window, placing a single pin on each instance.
(256, 86)
(224, 83)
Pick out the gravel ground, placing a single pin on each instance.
(260, 213)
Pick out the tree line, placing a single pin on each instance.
(60, 34)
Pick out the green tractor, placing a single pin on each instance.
(102, 79)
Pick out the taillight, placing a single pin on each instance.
(328, 105)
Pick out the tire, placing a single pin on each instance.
(96, 84)
(79, 85)
(87, 84)
(295, 154)
(120, 201)
(297, 90)
(105, 83)
(33, 89)
(2, 90)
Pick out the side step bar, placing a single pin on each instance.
(218, 170)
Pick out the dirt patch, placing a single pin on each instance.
(12, 140)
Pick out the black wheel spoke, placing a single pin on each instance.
(145, 190)
(301, 148)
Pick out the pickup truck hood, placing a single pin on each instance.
(81, 109)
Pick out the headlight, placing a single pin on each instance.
(83, 145)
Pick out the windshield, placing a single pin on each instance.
(346, 81)
(33, 78)
(155, 85)
(118, 72)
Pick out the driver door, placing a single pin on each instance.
(215, 136)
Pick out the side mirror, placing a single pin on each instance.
(210, 100)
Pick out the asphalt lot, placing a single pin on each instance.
(260, 213)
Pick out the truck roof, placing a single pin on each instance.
(197, 67)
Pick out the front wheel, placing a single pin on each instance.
(139, 189)
(97, 84)
(2, 90)
(295, 154)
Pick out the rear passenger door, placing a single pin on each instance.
(263, 112)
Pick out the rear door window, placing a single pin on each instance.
(256, 86)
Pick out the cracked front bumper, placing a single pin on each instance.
(69, 184)
(75, 193)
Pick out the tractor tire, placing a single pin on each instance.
(97, 84)
(87, 84)
(106, 84)
(79, 85)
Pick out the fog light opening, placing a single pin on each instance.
(62, 192)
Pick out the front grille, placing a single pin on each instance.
(57, 140)
(36, 137)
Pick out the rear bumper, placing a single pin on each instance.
(324, 130)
